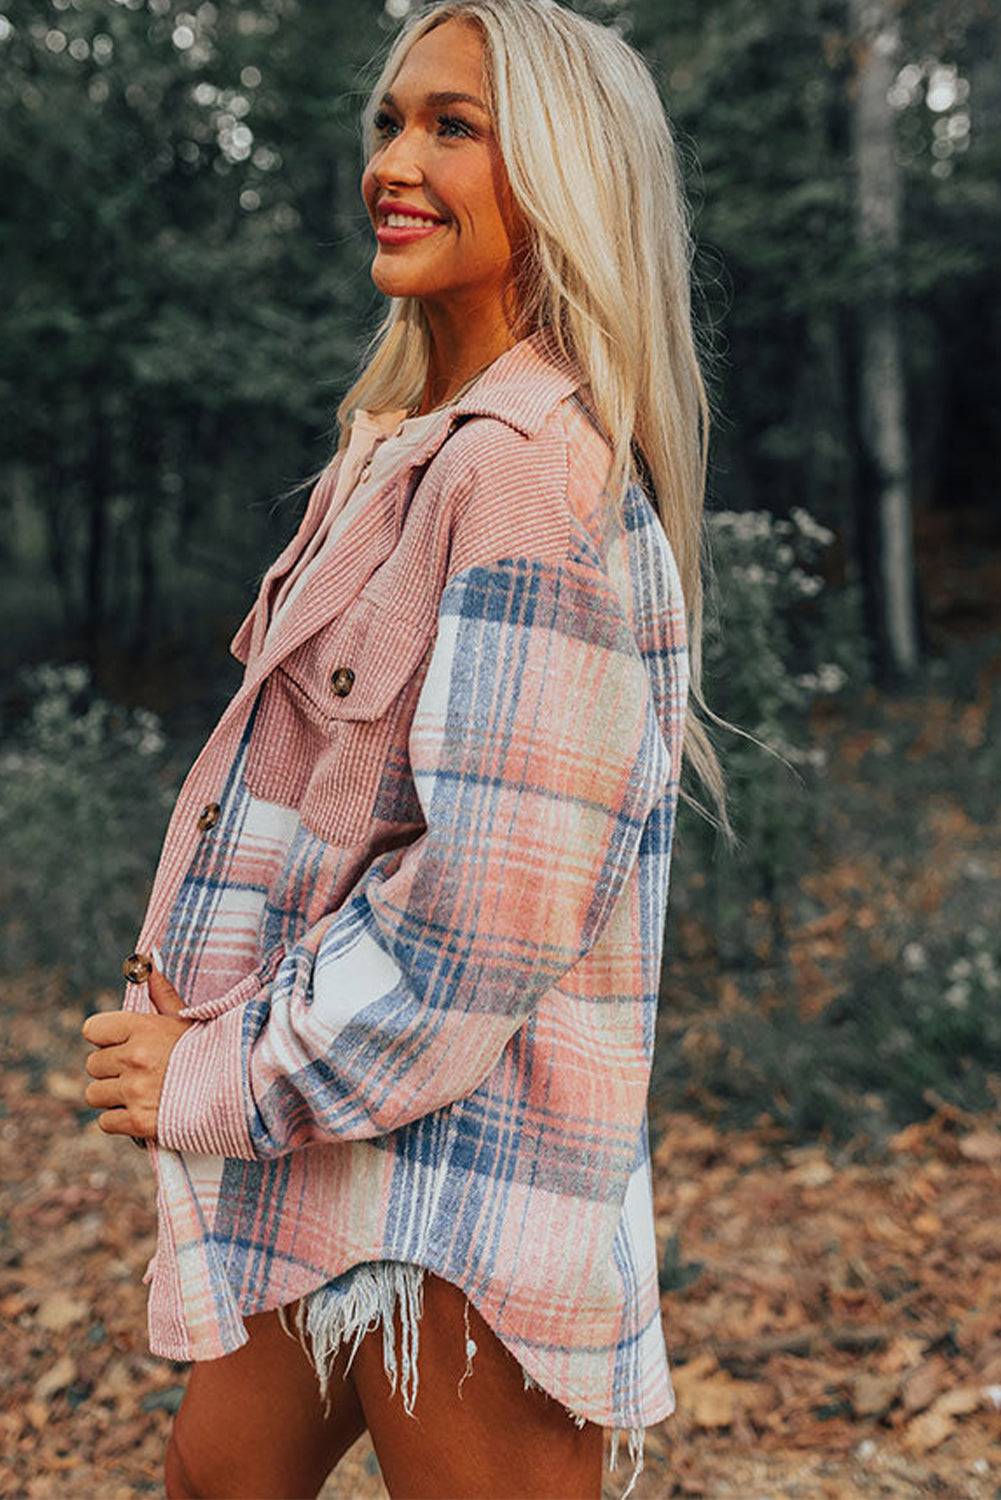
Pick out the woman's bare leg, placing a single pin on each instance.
(494, 1441)
(251, 1425)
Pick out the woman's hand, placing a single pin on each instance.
(130, 1060)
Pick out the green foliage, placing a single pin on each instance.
(84, 800)
(777, 642)
(925, 1027)
(760, 97)
(185, 255)
(184, 251)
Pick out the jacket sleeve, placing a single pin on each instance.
(537, 756)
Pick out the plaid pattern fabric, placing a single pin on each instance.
(422, 940)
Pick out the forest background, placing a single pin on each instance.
(186, 297)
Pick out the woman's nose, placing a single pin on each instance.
(399, 161)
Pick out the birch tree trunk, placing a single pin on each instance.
(887, 521)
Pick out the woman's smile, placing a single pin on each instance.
(404, 232)
(401, 224)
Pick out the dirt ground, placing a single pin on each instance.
(834, 1322)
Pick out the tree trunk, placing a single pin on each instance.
(885, 491)
(146, 514)
(99, 485)
(56, 512)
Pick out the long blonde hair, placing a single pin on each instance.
(594, 171)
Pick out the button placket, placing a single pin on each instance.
(209, 816)
(137, 967)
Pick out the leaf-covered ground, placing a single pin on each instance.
(835, 1323)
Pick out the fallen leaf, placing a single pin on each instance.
(56, 1378)
(117, 1382)
(37, 1413)
(960, 1401)
(696, 1369)
(924, 1384)
(902, 1353)
(60, 1311)
(813, 1174)
(911, 1138)
(873, 1395)
(981, 1145)
(927, 1431)
(711, 1402)
(67, 1087)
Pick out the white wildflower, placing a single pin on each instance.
(746, 526)
(806, 583)
(809, 527)
(832, 677)
(897, 1040)
(914, 956)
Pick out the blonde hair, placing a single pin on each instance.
(593, 169)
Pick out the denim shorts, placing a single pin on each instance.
(356, 1302)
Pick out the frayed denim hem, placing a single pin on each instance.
(355, 1303)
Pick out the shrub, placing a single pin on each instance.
(84, 800)
(777, 642)
(900, 1037)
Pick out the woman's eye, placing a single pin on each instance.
(452, 125)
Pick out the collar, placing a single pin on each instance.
(523, 384)
(521, 387)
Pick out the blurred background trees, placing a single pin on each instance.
(184, 247)
(186, 281)
(187, 297)
(846, 161)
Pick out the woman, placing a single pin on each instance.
(392, 1062)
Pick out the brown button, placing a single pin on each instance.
(137, 967)
(341, 680)
(209, 816)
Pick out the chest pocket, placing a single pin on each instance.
(330, 735)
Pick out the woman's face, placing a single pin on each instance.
(435, 186)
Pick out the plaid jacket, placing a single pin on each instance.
(414, 890)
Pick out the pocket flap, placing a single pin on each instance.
(359, 668)
(245, 989)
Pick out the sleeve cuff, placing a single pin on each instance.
(202, 1106)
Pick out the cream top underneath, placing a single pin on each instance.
(377, 443)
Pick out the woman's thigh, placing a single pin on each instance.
(493, 1440)
(252, 1425)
